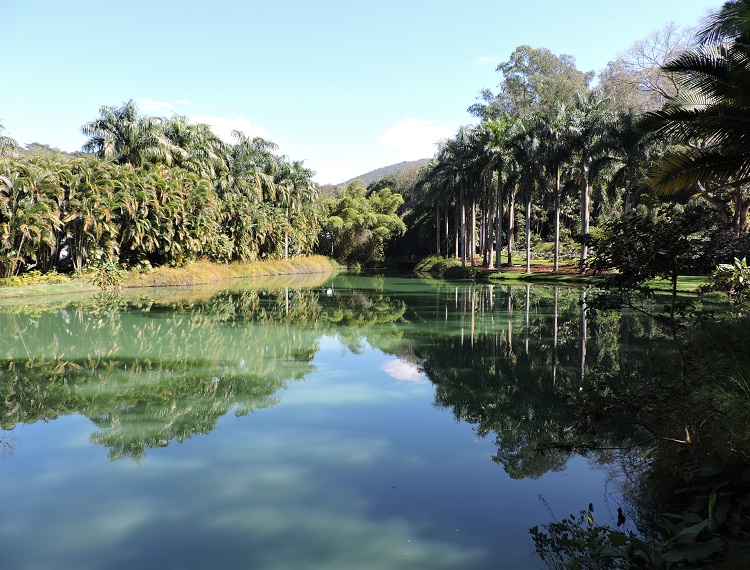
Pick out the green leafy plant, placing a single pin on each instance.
(734, 278)
(108, 275)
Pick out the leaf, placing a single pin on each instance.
(693, 551)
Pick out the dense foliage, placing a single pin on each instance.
(154, 192)
(666, 120)
(358, 225)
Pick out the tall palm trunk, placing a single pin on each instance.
(447, 241)
(499, 235)
(463, 228)
(437, 228)
(557, 219)
(490, 225)
(286, 238)
(585, 207)
(528, 228)
(511, 226)
(456, 231)
(473, 231)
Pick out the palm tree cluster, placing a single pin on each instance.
(551, 161)
(566, 152)
(158, 191)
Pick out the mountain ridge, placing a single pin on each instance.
(383, 171)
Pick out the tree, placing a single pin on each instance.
(632, 151)
(122, 136)
(8, 146)
(636, 82)
(197, 148)
(499, 157)
(525, 148)
(29, 217)
(357, 227)
(534, 79)
(707, 122)
(558, 151)
(589, 118)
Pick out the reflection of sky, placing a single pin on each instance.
(350, 470)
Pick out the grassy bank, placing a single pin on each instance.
(196, 273)
(541, 273)
(202, 272)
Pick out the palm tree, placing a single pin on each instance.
(29, 218)
(197, 148)
(449, 174)
(7, 145)
(708, 121)
(121, 136)
(498, 155)
(589, 120)
(558, 152)
(630, 151)
(251, 166)
(525, 145)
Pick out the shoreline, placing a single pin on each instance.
(189, 275)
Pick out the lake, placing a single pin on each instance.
(304, 422)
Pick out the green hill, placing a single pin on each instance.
(379, 173)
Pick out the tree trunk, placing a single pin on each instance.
(499, 235)
(528, 231)
(473, 242)
(286, 238)
(437, 228)
(490, 225)
(556, 267)
(511, 225)
(463, 229)
(447, 241)
(584, 215)
(456, 232)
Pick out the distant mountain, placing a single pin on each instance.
(379, 173)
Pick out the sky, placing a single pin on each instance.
(345, 85)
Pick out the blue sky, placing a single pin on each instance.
(348, 86)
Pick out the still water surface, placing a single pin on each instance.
(351, 422)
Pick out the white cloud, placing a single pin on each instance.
(413, 139)
(184, 102)
(223, 127)
(150, 106)
(403, 371)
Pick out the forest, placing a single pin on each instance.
(554, 159)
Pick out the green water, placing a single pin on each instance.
(358, 423)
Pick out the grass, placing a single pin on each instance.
(541, 273)
(202, 272)
(70, 287)
(196, 273)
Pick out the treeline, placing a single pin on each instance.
(554, 159)
(152, 191)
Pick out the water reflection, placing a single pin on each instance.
(148, 372)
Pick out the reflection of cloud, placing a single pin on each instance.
(414, 138)
(403, 371)
(223, 127)
(263, 500)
